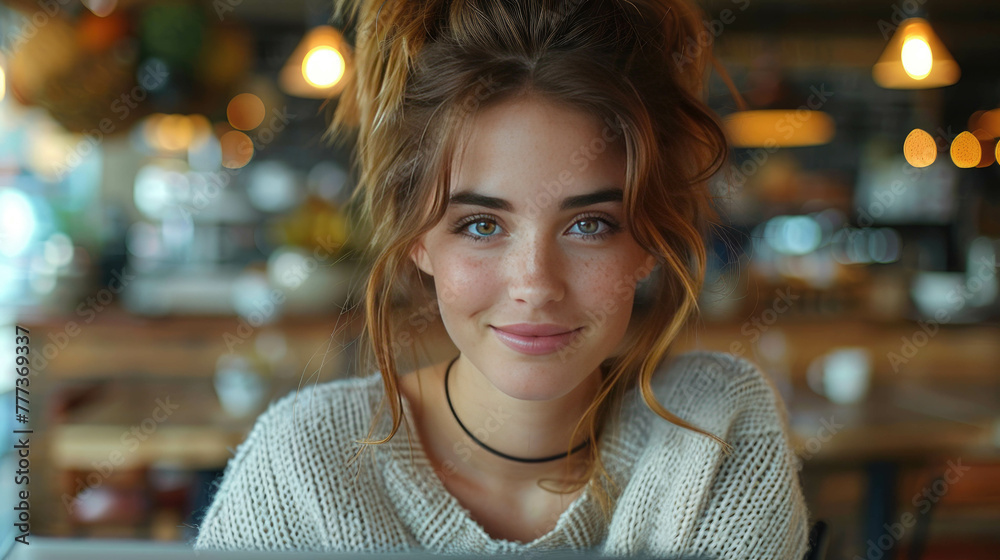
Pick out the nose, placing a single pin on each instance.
(535, 271)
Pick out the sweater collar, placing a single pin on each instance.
(439, 522)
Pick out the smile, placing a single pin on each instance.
(535, 345)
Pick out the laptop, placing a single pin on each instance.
(43, 548)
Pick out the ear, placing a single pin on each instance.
(418, 254)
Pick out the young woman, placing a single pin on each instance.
(533, 182)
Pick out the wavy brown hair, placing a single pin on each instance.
(423, 69)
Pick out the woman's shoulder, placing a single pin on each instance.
(712, 388)
(752, 492)
(348, 397)
(322, 418)
(290, 456)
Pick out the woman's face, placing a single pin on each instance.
(535, 234)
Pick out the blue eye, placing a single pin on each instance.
(594, 221)
(479, 233)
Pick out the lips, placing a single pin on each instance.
(535, 329)
(535, 345)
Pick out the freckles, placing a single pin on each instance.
(608, 271)
(608, 285)
(465, 279)
(600, 278)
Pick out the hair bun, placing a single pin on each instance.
(390, 35)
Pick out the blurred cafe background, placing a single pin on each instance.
(173, 240)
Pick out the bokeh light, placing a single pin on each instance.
(966, 150)
(988, 121)
(323, 66)
(919, 149)
(101, 8)
(793, 235)
(986, 147)
(245, 111)
(58, 250)
(158, 187)
(150, 129)
(273, 186)
(174, 132)
(237, 149)
(17, 222)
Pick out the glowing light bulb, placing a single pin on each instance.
(917, 58)
(323, 66)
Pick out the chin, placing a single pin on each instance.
(521, 382)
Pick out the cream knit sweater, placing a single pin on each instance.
(287, 487)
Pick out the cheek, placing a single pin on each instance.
(609, 288)
(464, 283)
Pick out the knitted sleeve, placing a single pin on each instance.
(755, 509)
(251, 509)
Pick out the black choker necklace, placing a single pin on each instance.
(490, 449)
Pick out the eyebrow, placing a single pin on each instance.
(610, 194)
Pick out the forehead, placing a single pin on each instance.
(523, 146)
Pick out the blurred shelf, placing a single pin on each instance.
(125, 424)
(119, 344)
(81, 446)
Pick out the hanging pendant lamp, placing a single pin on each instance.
(915, 59)
(777, 128)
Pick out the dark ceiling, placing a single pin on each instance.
(786, 15)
